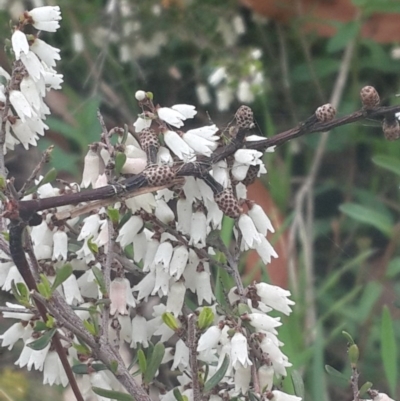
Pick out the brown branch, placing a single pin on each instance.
(194, 367)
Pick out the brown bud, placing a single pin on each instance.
(227, 202)
(391, 128)
(150, 144)
(369, 97)
(244, 117)
(252, 174)
(325, 113)
(159, 175)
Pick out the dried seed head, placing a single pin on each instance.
(150, 144)
(227, 202)
(325, 113)
(252, 174)
(369, 97)
(159, 175)
(391, 128)
(244, 117)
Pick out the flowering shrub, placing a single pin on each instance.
(114, 278)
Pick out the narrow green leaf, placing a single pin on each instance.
(49, 177)
(120, 160)
(99, 366)
(43, 341)
(90, 327)
(40, 326)
(94, 248)
(142, 361)
(388, 163)
(62, 274)
(170, 320)
(389, 349)
(206, 317)
(380, 221)
(154, 362)
(348, 337)
(298, 383)
(114, 395)
(114, 366)
(364, 388)
(177, 394)
(98, 274)
(218, 376)
(81, 348)
(335, 373)
(80, 369)
(113, 214)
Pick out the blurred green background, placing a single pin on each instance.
(340, 233)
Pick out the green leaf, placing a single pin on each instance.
(44, 287)
(298, 383)
(62, 274)
(348, 337)
(81, 348)
(364, 388)
(21, 293)
(218, 376)
(43, 341)
(389, 349)
(142, 361)
(206, 317)
(388, 163)
(114, 366)
(98, 274)
(379, 220)
(177, 394)
(80, 369)
(343, 36)
(90, 327)
(154, 363)
(114, 395)
(40, 326)
(170, 320)
(94, 248)
(335, 373)
(113, 214)
(120, 160)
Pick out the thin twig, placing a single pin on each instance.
(192, 345)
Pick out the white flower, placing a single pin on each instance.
(217, 76)
(239, 351)
(9, 275)
(265, 250)
(145, 286)
(203, 95)
(163, 212)
(90, 227)
(176, 114)
(181, 357)
(53, 371)
(60, 246)
(139, 332)
(248, 156)
(91, 169)
(46, 18)
(161, 285)
(209, 339)
(140, 95)
(129, 230)
(278, 358)
(21, 105)
(203, 287)
(178, 145)
(19, 43)
(15, 332)
(242, 379)
(33, 65)
(202, 140)
(30, 357)
(275, 297)
(71, 290)
(163, 255)
(280, 396)
(78, 42)
(260, 219)
(244, 92)
(45, 52)
(176, 297)
(179, 261)
(118, 291)
(263, 322)
(141, 123)
(265, 377)
(382, 397)
(224, 98)
(198, 230)
(251, 237)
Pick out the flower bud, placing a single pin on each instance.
(391, 128)
(140, 96)
(354, 355)
(325, 113)
(369, 97)
(244, 117)
(227, 202)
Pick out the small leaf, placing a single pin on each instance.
(170, 320)
(44, 287)
(62, 274)
(177, 394)
(354, 355)
(114, 366)
(113, 214)
(40, 326)
(142, 361)
(49, 177)
(335, 373)
(98, 274)
(80, 369)
(388, 162)
(154, 363)
(89, 326)
(81, 348)
(389, 349)
(206, 317)
(364, 388)
(43, 341)
(98, 366)
(94, 248)
(120, 160)
(366, 215)
(114, 395)
(348, 337)
(218, 375)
